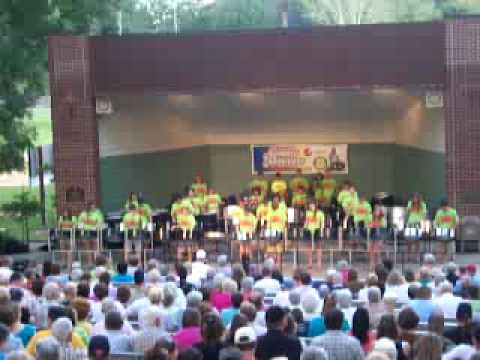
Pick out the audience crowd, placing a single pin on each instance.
(217, 310)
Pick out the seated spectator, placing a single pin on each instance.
(69, 293)
(82, 308)
(8, 342)
(189, 354)
(212, 337)
(257, 301)
(451, 273)
(200, 266)
(123, 296)
(462, 333)
(314, 353)
(10, 316)
(396, 284)
(190, 333)
(387, 347)
(436, 324)
(294, 300)
(376, 307)
(239, 320)
(464, 350)
(361, 329)
(387, 328)
(100, 291)
(423, 304)
(137, 291)
(162, 347)
(109, 305)
(250, 312)
(372, 280)
(99, 348)
(152, 330)
(407, 322)
(247, 288)
(122, 276)
(305, 287)
(310, 305)
(317, 324)
(228, 313)
(245, 340)
(133, 264)
(223, 299)
(62, 331)
(267, 285)
(194, 299)
(336, 343)
(353, 283)
(36, 304)
(446, 301)
(302, 325)
(54, 313)
(184, 285)
(171, 313)
(428, 346)
(344, 301)
(119, 341)
(223, 267)
(275, 343)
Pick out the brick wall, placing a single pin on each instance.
(463, 114)
(75, 133)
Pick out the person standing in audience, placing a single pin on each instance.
(337, 344)
(275, 343)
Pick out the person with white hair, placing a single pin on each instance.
(200, 266)
(246, 287)
(267, 284)
(344, 301)
(376, 307)
(69, 292)
(310, 305)
(109, 305)
(152, 330)
(334, 279)
(314, 353)
(222, 265)
(447, 302)
(171, 313)
(194, 299)
(223, 298)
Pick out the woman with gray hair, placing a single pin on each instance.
(152, 330)
(314, 353)
(310, 306)
(170, 311)
(376, 307)
(246, 287)
(396, 284)
(194, 299)
(344, 301)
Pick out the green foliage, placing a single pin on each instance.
(23, 207)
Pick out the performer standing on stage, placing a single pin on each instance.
(314, 223)
(212, 202)
(184, 220)
(144, 210)
(416, 214)
(260, 184)
(133, 224)
(348, 199)
(66, 227)
(377, 225)
(362, 213)
(90, 222)
(247, 229)
(276, 226)
(329, 187)
(299, 183)
(132, 200)
(279, 186)
(446, 218)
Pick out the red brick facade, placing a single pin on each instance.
(75, 133)
(440, 55)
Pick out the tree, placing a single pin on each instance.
(22, 208)
(24, 26)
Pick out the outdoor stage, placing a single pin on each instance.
(147, 113)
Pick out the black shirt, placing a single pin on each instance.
(210, 350)
(275, 343)
(459, 335)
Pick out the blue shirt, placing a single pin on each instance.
(228, 314)
(317, 326)
(423, 308)
(26, 333)
(122, 279)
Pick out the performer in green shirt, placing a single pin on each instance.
(299, 183)
(132, 223)
(247, 226)
(416, 214)
(446, 218)
(329, 187)
(377, 224)
(212, 202)
(276, 226)
(299, 199)
(90, 223)
(362, 212)
(199, 187)
(259, 183)
(132, 200)
(347, 199)
(145, 211)
(279, 186)
(314, 223)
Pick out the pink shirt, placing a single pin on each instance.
(187, 337)
(222, 300)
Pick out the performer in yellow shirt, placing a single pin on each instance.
(276, 227)
(247, 225)
(377, 225)
(259, 184)
(279, 186)
(312, 228)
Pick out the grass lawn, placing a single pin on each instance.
(41, 121)
(14, 228)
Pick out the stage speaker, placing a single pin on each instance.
(469, 234)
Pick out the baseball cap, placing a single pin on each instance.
(245, 335)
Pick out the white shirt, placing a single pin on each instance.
(463, 352)
(348, 314)
(200, 270)
(282, 299)
(99, 328)
(449, 304)
(400, 290)
(137, 305)
(268, 285)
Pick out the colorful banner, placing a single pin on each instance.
(312, 159)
